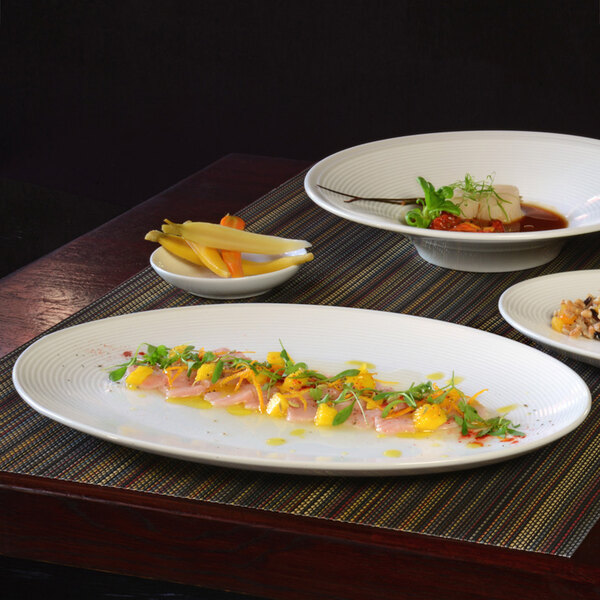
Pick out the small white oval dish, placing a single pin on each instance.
(554, 171)
(528, 306)
(200, 281)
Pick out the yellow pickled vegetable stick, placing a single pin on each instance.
(211, 258)
(227, 238)
(173, 244)
(257, 268)
(203, 257)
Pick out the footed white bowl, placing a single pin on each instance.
(554, 171)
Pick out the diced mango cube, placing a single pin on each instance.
(205, 371)
(261, 379)
(370, 403)
(557, 324)
(179, 349)
(274, 358)
(428, 417)
(277, 405)
(566, 315)
(325, 415)
(363, 380)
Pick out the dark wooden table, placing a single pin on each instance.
(259, 553)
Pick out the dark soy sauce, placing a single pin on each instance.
(536, 218)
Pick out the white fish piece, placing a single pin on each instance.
(507, 209)
(469, 207)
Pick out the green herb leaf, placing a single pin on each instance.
(410, 396)
(306, 374)
(118, 373)
(316, 394)
(343, 374)
(343, 414)
(433, 205)
(218, 371)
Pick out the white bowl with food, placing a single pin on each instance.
(192, 257)
(555, 177)
(551, 310)
(200, 281)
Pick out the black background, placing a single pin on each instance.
(110, 102)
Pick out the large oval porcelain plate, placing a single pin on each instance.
(528, 306)
(64, 376)
(555, 171)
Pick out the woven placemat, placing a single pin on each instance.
(545, 501)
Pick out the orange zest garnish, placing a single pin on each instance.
(394, 414)
(475, 395)
(249, 376)
(173, 373)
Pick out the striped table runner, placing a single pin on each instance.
(544, 502)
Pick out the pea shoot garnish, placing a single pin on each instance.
(472, 422)
(432, 205)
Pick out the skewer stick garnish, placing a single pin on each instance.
(352, 198)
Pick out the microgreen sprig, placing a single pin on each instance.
(481, 191)
(160, 356)
(410, 397)
(310, 374)
(471, 421)
(343, 415)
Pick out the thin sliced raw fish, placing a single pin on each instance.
(155, 381)
(246, 394)
(402, 424)
(187, 387)
(298, 412)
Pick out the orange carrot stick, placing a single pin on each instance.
(233, 258)
(233, 221)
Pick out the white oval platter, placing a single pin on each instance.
(64, 376)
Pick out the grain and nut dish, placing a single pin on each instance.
(577, 318)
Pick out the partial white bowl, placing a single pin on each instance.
(528, 306)
(199, 281)
(555, 171)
